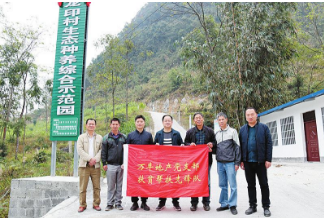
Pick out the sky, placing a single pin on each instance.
(105, 17)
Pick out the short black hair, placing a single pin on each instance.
(114, 119)
(91, 119)
(251, 108)
(167, 115)
(198, 113)
(221, 114)
(139, 117)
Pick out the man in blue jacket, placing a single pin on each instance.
(256, 157)
(168, 136)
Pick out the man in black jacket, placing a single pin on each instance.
(256, 156)
(112, 161)
(140, 137)
(201, 134)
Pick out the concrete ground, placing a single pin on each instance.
(296, 190)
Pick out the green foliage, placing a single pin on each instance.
(40, 157)
(3, 149)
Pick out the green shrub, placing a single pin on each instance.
(3, 150)
(40, 157)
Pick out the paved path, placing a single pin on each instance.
(296, 190)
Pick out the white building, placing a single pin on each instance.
(297, 129)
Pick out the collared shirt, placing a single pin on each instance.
(252, 149)
(200, 137)
(140, 138)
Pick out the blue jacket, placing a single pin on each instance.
(176, 137)
(263, 142)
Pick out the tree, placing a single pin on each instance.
(253, 47)
(18, 74)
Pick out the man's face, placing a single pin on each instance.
(140, 123)
(167, 122)
(199, 120)
(251, 116)
(91, 125)
(222, 121)
(114, 126)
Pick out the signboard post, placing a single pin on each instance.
(68, 82)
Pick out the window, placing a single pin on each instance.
(273, 131)
(288, 131)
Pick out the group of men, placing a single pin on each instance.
(251, 149)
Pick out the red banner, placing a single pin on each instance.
(167, 171)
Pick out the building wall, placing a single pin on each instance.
(298, 151)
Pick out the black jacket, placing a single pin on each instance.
(139, 138)
(263, 142)
(176, 137)
(209, 137)
(112, 149)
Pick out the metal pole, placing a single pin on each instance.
(190, 121)
(75, 161)
(53, 158)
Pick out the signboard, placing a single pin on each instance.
(68, 72)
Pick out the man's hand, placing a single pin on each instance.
(193, 144)
(122, 166)
(209, 144)
(237, 167)
(105, 168)
(157, 144)
(267, 164)
(92, 162)
(242, 166)
(182, 145)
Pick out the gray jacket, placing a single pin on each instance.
(228, 146)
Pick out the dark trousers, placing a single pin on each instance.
(259, 169)
(175, 201)
(205, 200)
(135, 199)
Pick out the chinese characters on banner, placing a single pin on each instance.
(167, 171)
(67, 83)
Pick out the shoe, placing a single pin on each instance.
(97, 208)
(250, 210)
(206, 207)
(233, 210)
(134, 206)
(119, 207)
(109, 207)
(267, 212)
(145, 207)
(159, 207)
(222, 208)
(193, 207)
(177, 207)
(81, 209)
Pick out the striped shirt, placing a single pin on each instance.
(167, 138)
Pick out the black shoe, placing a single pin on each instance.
(250, 210)
(144, 206)
(109, 207)
(267, 212)
(222, 208)
(159, 207)
(177, 207)
(119, 207)
(233, 210)
(206, 207)
(193, 207)
(134, 206)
